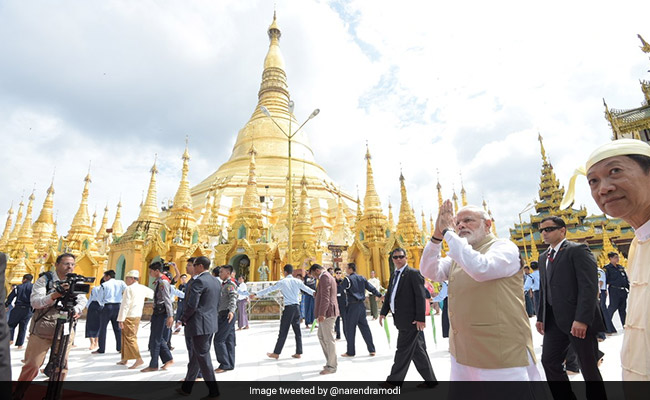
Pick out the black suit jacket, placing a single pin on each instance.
(5, 358)
(573, 287)
(201, 305)
(410, 299)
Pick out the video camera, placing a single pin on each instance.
(77, 284)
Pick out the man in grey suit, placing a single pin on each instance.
(200, 320)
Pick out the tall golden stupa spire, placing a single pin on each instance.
(183, 198)
(341, 233)
(463, 194)
(93, 224)
(44, 225)
(373, 221)
(117, 223)
(25, 236)
(19, 216)
(304, 234)
(250, 212)
(5, 234)
(407, 226)
(454, 197)
(101, 232)
(81, 221)
(181, 219)
(149, 209)
(270, 137)
(439, 187)
(534, 253)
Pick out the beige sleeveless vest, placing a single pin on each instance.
(489, 325)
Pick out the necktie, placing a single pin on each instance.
(395, 279)
(551, 255)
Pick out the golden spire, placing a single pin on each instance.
(439, 187)
(371, 202)
(5, 234)
(44, 225)
(81, 218)
(494, 225)
(117, 224)
(455, 199)
(149, 209)
(251, 199)
(463, 194)
(431, 225)
(603, 259)
(341, 234)
(304, 231)
(391, 220)
(485, 205)
(373, 221)
(407, 226)
(183, 199)
(26, 228)
(550, 194)
(359, 212)
(19, 216)
(424, 223)
(102, 229)
(250, 213)
(93, 224)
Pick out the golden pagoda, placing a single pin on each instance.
(44, 227)
(4, 240)
(408, 232)
(81, 240)
(229, 182)
(144, 239)
(580, 227)
(373, 240)
(632, 123)
(116, 228)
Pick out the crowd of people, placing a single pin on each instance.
(478, 283)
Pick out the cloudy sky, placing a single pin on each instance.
(459, 87)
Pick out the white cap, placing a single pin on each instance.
(134, 273)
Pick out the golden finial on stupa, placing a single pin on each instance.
(183, 199)
(463, 194)
(5, 233)
(391, 220)
(117, 223)
(44, 224)
(371, 202)
(101, 232)
(149, 209)
(407, 226)
(19, 216)
(454, 197)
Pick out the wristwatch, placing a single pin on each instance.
(446, 230)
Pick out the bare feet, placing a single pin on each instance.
(123, 362)
(149, 369)
(346, 355)
(137, 363)
(168, 364)
(20, 347)
(326, 372)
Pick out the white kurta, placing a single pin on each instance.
(500, 261)
(635, 353)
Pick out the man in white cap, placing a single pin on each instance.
(619, 178)
(129, 317)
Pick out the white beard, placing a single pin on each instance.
(475, 236)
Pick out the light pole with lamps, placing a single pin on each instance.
(289, 136)
(521, 227)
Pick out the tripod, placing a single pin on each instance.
(57, 361)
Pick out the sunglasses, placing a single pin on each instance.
(549, 229)
(398, 257)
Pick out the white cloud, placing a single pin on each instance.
(449, 86)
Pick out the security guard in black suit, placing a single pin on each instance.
(619, 286)
(355, 287)
(22, 312)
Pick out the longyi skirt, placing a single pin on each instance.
(92, 319)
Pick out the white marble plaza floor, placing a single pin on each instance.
(252, 364)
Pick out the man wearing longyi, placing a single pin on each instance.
(619, 178)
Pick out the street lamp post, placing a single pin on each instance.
(289, 136)
(521, 227)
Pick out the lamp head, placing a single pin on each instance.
(291, 105)
(314, 113)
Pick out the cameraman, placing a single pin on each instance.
(41, 330)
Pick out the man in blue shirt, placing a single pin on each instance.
(528, 292)
(22, 311)
(111, 297)
(356, 286)
(290, 288)
(535, 288)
